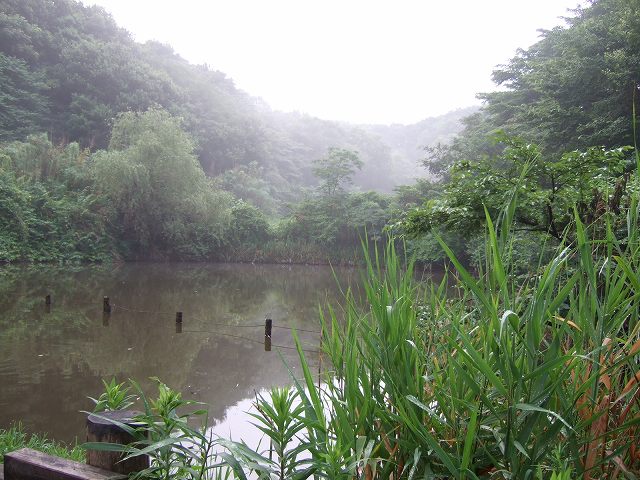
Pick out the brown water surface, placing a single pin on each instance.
(51, 361)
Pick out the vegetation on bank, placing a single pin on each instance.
(493, 375)
(505, 379)
(15, 438)
(594, 181)
(146, 196)
(147, 156)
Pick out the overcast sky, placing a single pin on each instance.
(363, 61)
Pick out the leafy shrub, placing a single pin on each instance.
(249, 225)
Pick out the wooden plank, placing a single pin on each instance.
(28, 464)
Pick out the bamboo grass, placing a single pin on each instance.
(496, 378)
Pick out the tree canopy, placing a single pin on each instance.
(336, 170)
(69, 70)
(557, 133)
(571, 90)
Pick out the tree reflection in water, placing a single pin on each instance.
(50, 362)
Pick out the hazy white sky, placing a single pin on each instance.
(364, 61)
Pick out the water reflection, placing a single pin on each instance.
(51, 360)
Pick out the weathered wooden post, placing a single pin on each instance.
(106, 306)
(268, 324)
(102, 429)
(178, 322)
(47, 304)
(105, 319)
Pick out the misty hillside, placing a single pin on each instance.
(68, 70)
(407, 142)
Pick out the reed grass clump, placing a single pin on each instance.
(15, 437)
(485, 375)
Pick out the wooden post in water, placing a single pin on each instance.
(268, 324)
(178, 322)
(47, 303)
(106, 306)
(102, 429)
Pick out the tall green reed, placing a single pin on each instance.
(495, 377)
(164, 432)
(499, 377)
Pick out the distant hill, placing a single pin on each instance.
(68, 70)
(406, 142)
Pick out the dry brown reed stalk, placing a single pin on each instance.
(613, 436)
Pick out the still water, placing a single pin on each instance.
(51, 361)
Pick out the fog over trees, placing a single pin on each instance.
(146, 155)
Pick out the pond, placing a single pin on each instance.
(51, 360)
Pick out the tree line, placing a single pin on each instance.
(560, 134)
(111, 148)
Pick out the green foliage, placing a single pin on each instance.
(248, 184)
(575, 87)
(47, 210)
(279, 418)
(342, 221)
(564, 475)
(15, 438)
(572, 90)
(176, 449)
(414, 195)
(249, 225)
(336, 170)
(146, 196)
(315, 220)
(114, 397)
(424, 248)
(594, 180)
(22, 98)
(162, 202)
(334, 217)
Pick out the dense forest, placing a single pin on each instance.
(559, 133)
(117, 149)
(72, 79)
